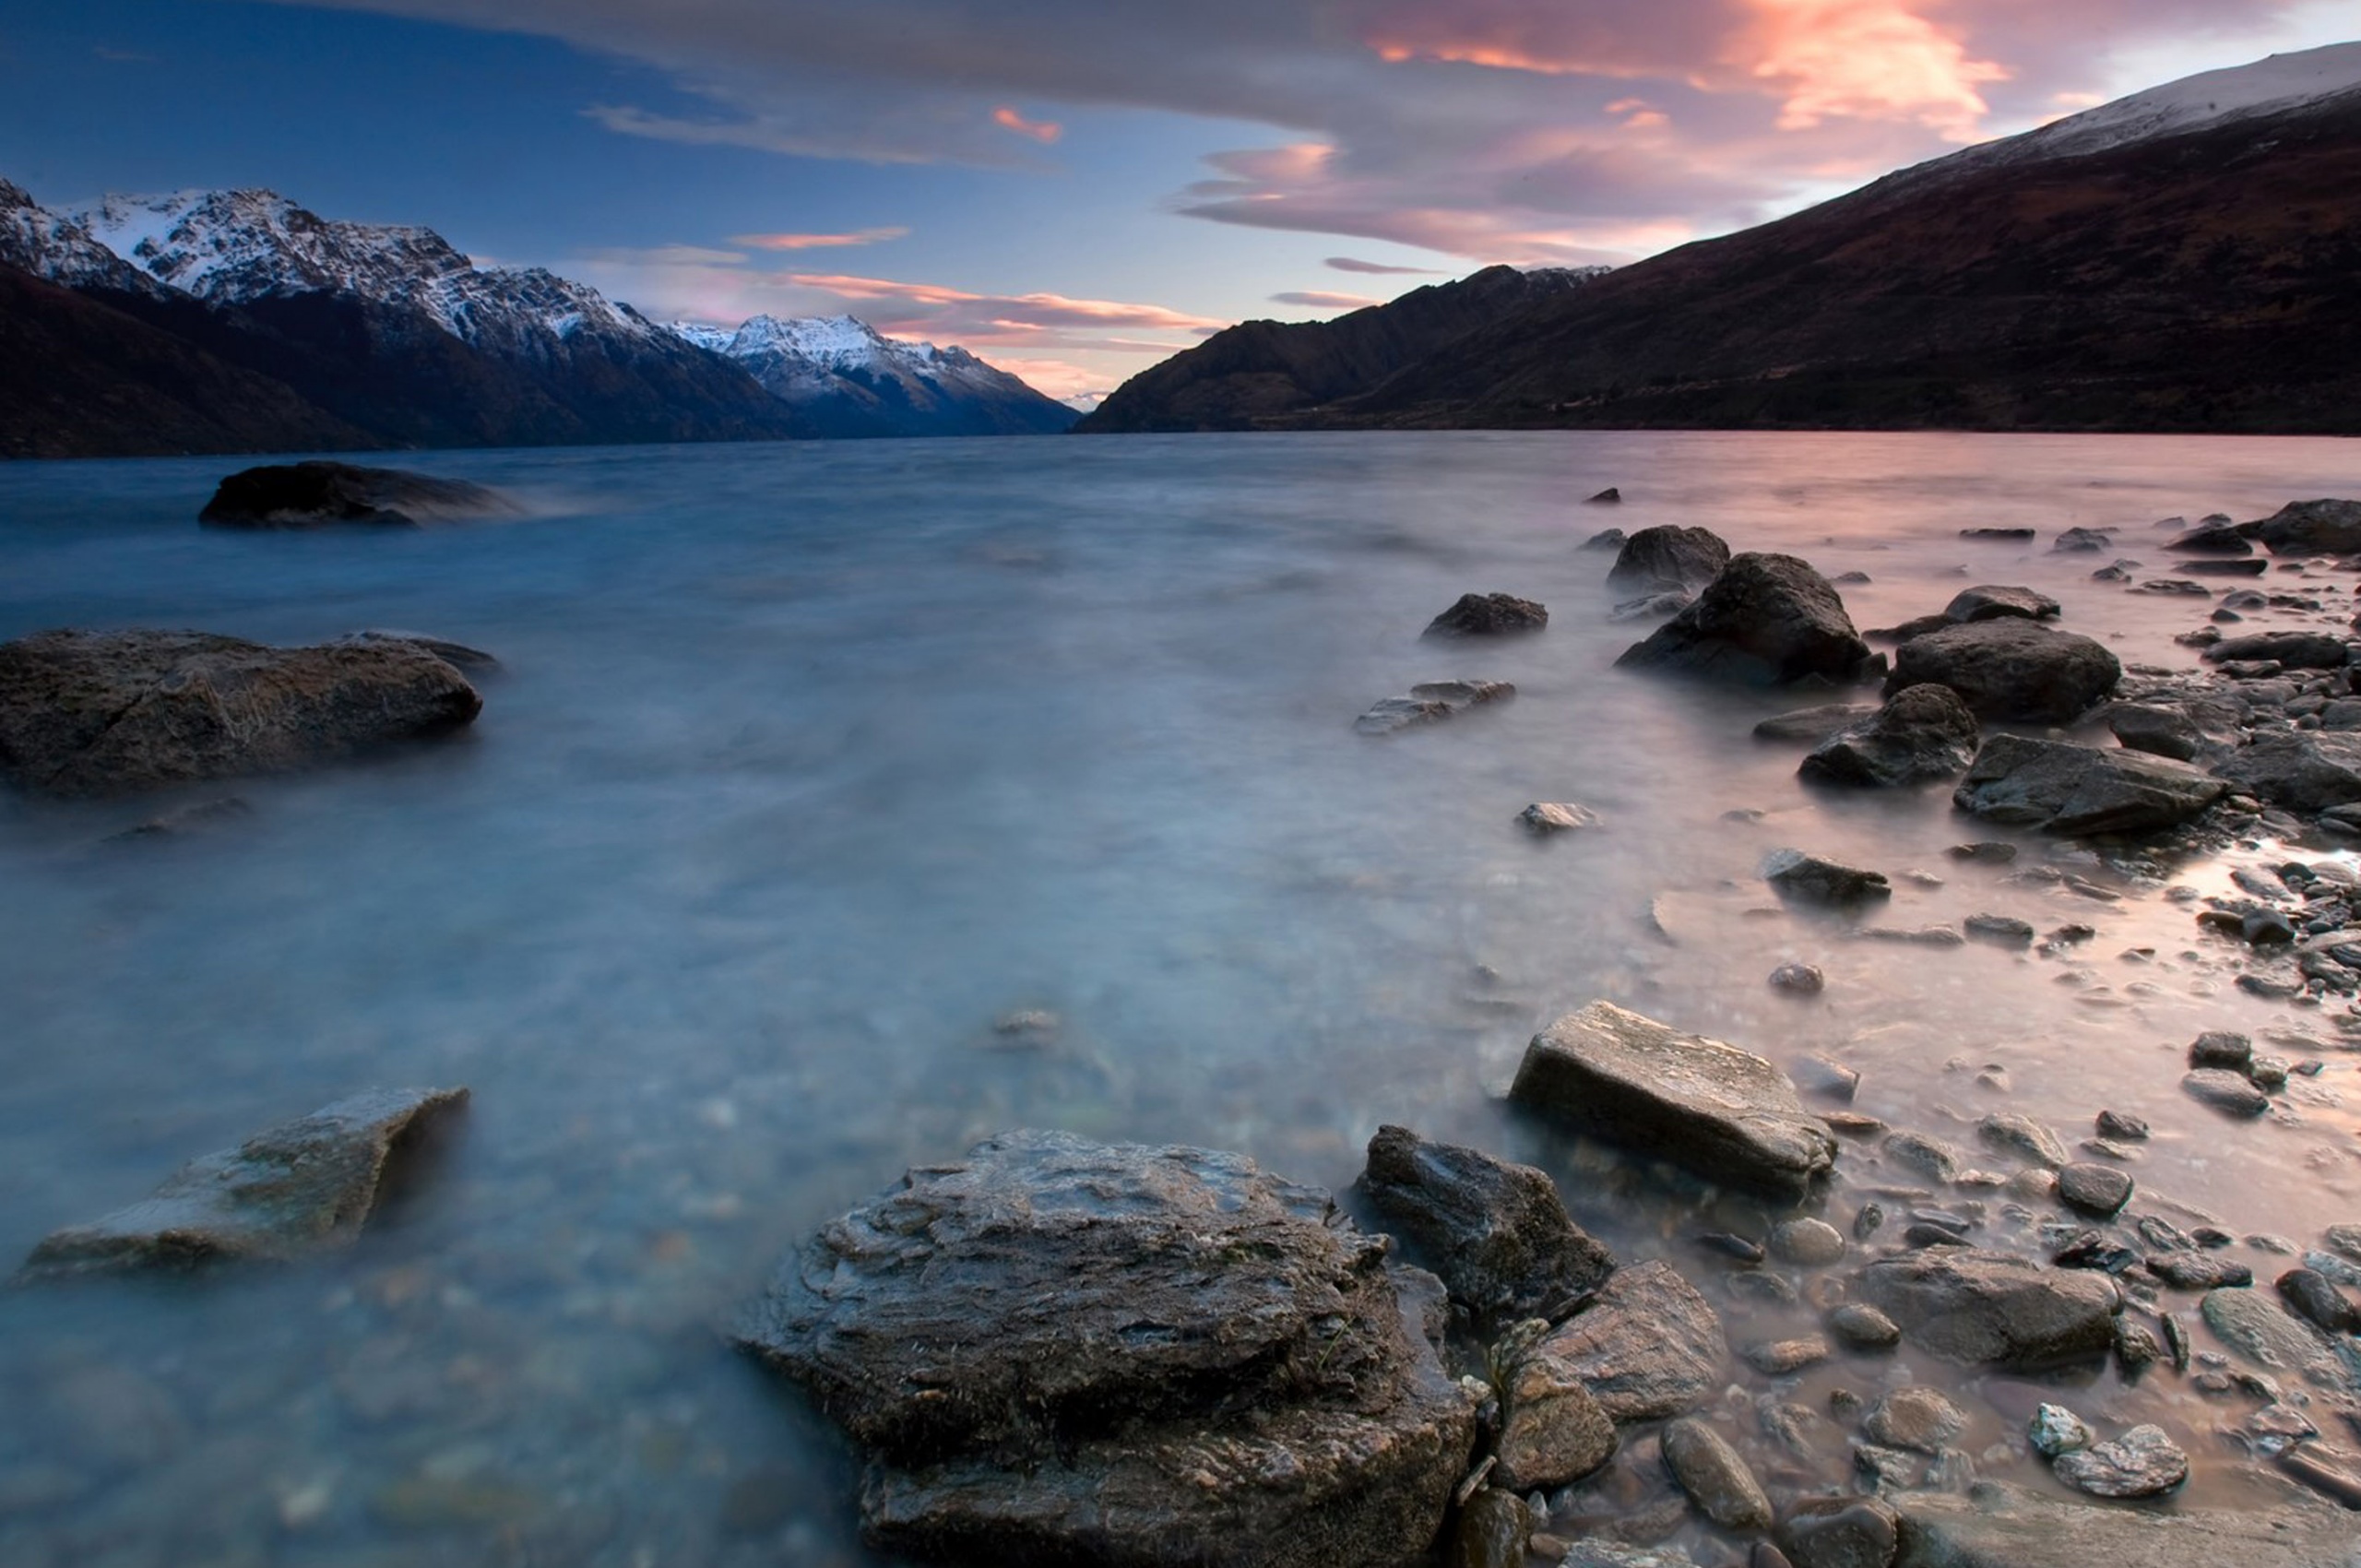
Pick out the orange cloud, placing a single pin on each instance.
(1012, 313)
(817, 242)
(1863, 59)
(1043, 131)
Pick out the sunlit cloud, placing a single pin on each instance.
(1320, 299)
(1379, 268)
(1043, 131)
(1864, 59)
(818, 242)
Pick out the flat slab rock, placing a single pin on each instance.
(2011, 668)
(1060, 1350)
(1649, 1346)
(307, 1185)
(1429, 701)
(104, 713)
(317, 494)
(1994, 1308)
(1723, 1112)
(2062, 788)
(1998, 1526)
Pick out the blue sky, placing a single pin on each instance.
(1073, 188)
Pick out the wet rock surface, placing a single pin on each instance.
(106, 713)
(2009, 669)
(1835, 1532)
(2062, 788)
(305, 1186)
(1554, 1431)
(2312, 527)
(1047, 1346)
(1996, 1309)
(1429, 702)
(1668, 559)
(1819, 880)
(2000, 1527)
(1763, 621)
(1714, 1476)
(2302, 770)
(1723, 1112)
(1488, 616)
(2143, 1462)
(1993, 602)
(318, 493)
(1650, 1347)
(1922, 734)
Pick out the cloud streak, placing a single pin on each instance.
(819, 242)
(1320, 299)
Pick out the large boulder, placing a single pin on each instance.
(1497, 1234)
(1725, 1114)
(1057, 1350)
(1648, 1347)
(2312, 527)
(2307, 770)
(2000, 1526)
(101, 713)
(1765, 621)
(305, 1186)
(1922, 734)
(316, 494)
(2070, 788)
(1667, 559)
(2009, 669)
(1994, 1308)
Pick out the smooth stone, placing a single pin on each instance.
(1724, 1113)
(1647, 1347)
(1497, 1234)
(2256, 1327)
(1810, 877)
(1714, 1476)
(1546, 817)
(318, 493)
(2298, 769)
(2312, 527)
(1554, 1431)
(2199, 1271)
(2225, 1091)
(2009, 669)
(2160, 732)
(1429, 702)
(1814, 1243)
(1799, 980)
(1864, 1328)
(2062, 788)
(1996, 1526)
(1984, 851)
(1780, 1357)
(2005, 930)
(2121, 1126)
(305, 1186)
(2143, 1462)
(1841, 1532)
(2056, 1429)
(2012, 1133)
(1764, 620)
(1916, 1418)
(1996, 1309)
(1488, 616)
(1929, 1156)
(2311, 1296)
(2080, 542)
(2100, 1191)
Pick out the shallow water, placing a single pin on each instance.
(809, 762)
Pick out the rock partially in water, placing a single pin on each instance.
(1429, 701)
(1554, 1431)
(2226, 1049)
(2010, 1132)
(1055, 1349)
(1648, 1349)
(1929, 1156)
(305, 1186)
(1922, 734)
(1916, 1418)
(2254, 1325)
(1494, 1528)
(1864, 1328)
(2312, 527)
(2143, 1462)
(1822, 881)
(317, 494)
(2198, 1271)
(1799, 980)
(1714, 1476)
(2313, 1297)
(1488, 616)
(1497, 1234)
(1999, 1526)
(2225, 1091)
(2122, 1127)
(2289, 651)
(2056, 1429)
(1812, 1243)
(1765, 621)
(1841, 1532)
(2063, 787)
(104, 713)
(1994, 1308)
(1815, 723)
(2099, 1190)
(2304, 770)
(2081, 541)
(1668, 559)
(1992, 602)
(2007, 931)
(1546, 817)
(458, 655)
(1723, 1112)
(2009, 669)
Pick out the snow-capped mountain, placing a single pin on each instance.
(841, 373)
(56, 247)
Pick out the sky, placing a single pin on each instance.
(1073, 189)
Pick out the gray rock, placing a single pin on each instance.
(1546, 817)
(1922, 734)
(2023, 1136)
(1996, 1309)
(2081, 541)
(2056, 1429)
(1800, 875)
(2304, 770)
(1666, 559)
(1765, 620)
(1604, 539)
(1497, 1234)
(1996, 1526)
(1429, 701)
(2063, 787)
(2228, 1092)
(1929, 1156)
(2313, 1297)
(317, 494)
(2256, 1328)
(2312, 527)
(1984, 851)
(305, 1186)
(2199, 1271)
(1799, 980)
(2009, 669)
(104, 713)
(1864, 1328)
(1815, 724)
(1488, 616)
(2289, 651)
(1994, 603)
(2222, 1047)
(1648, 1347)
(2099, 1190)
(1725, 1114)
(2158, 730)
(1814, 1243)
(2215, 539)
(2143, 1462)
(2345, 1239)
(2005, 930)
(1714, 1476)
(1828, 1080)
(1048, 1346)
(1554, 1431)
(1841, 1532)
(1916, 1418)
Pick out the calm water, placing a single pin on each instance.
(809, 762)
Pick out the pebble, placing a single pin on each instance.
(1779, 1358)
(1986, 851)
(1864, 1328)
(1799, 980)
(2199, 1271)
(2225, 1091)
(1865, 1220)
(2005, 930)
(2121, 1127)
(1814, 1243)
(1916, 1418)
(2143, 1462)
(2100, 1191)
(1931, 1155)
(2310, 1296)
(2012, 1133)
(1714, 1476)
(1829, 1080)
(2056, 1429)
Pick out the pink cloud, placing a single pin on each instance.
(1352, 263)
(818, 242)
(1320, 299)
(1043, 131)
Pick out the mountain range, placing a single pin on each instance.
(2180, 259)
(239, 321)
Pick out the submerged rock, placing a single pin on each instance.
(104, 713)
(1841, 1532)
(1546, 817)
(2312, 527)
(1991, 602)
(1488, 616)
(1799, 875)
(305, 1186)
(2258, 1328)
(2225, 1091)
(2063, 787)
(2304, 770)
(1714, 1476)
(1994, 1308)
(1923, 733)
(1648, 1347)
(1497, 1234)
(317, 494)
(1765, 621)
(1725, 1114)
(2289, 651)
(1055, 1349)
(1668, 559)
(2009, 669)
(2143, 1462)
(1815, 724)
(1429, 701)
(1998, 1526)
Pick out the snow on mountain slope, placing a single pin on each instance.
(233, 248)
(54, 246)
(881, 385)
(2270, 86)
